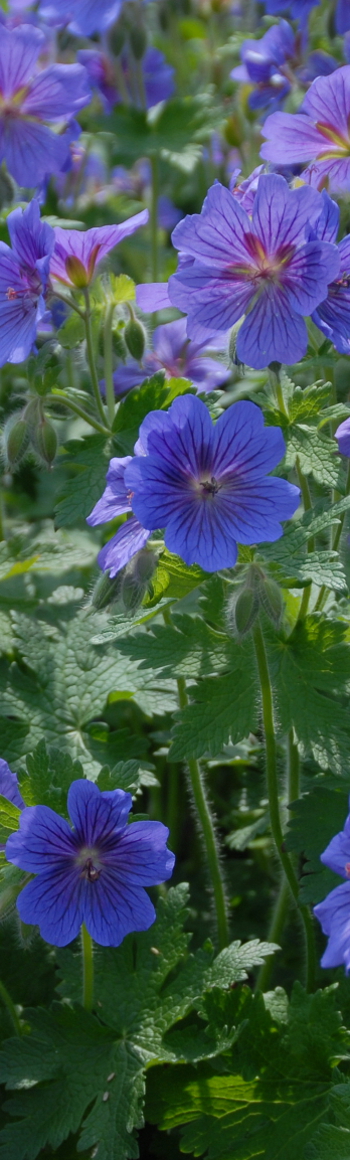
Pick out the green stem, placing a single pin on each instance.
(324, 590)
(154, 218)
(88, 968)
(9, 1004)
(108, 363)
(272, 785)
(207, 827)
(69, 302)
(91, 358)
(275, 931)
(307, 501)
(60, 397)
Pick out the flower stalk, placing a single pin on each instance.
(88, 968)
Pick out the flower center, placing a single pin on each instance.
(267, 267)
(210, 486)
(347, 869)
(89, 863)
(340, 145)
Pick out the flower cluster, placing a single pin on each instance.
(205, 484)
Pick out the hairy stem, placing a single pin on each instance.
(206, 826)
(272, 786)
(154, 219)
(91, 358)
(88, 968)
(60, 397)
(108, 363)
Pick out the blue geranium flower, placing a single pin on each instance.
(83, 16)
(33, 100)
(9, 787)
(116, 501)
(24, 273)
(318, 133)
(94, 873)
(207, 485)
(263, 65)
(265, 267)
(333, 315)
(180, 358)
(334, 912)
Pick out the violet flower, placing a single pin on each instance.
(263, 65)
(9, 787)
(342, 435)
(180, 358)
(152, 82)
(265, 267)
(85, 17)
(297, 9)
(207, 485)
(333, 315)
(334, 912)
(29, 98)
(94, 873)
(76, 254)
(24, 272)
(116, 501)
(319, 133)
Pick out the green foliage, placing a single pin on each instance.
(61, 685)
(310, 668)
(187, 647)
(222, 708)
(87, 459)
(77, 1071)
(332, 1141)
(175, 135)
(272, 1089)
(289, 559)
(9, 818)
(315, 818)
(154, 394)
(173, 578)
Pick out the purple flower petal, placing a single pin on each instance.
(91, 247)
(334, 916)
(9, 785)
(271, 331)
(152, 296)
(130, 538)
(42, 839)
(115, 500)
(54, 901)
(115, 909)
(97, 816)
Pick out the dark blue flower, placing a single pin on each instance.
(94, 873)
(207, 485)
(24, 272)
(9, 787)
(334, 912)
(32, 100)
(265, 267)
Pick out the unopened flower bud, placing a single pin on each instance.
(271, 600)
(15, 439)
(135, 338)
(116, 39)
(246, 610)
(137, 578)
(44, 441)
(106, 591)
(138, 40)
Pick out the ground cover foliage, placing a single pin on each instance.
(174, 579)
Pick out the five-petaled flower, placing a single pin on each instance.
(205, 485)
(33, 100)
(265, 267)
(318, 133)
(334, 912)
(94, 873)
(24, 273)
(333, 315)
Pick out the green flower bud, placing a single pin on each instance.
(271, 600)
(138, 40)
(135, 338)
(44, 441)
(116, 39)
(15, 439)
(106, 591)
(246, 610)
(136, 579)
